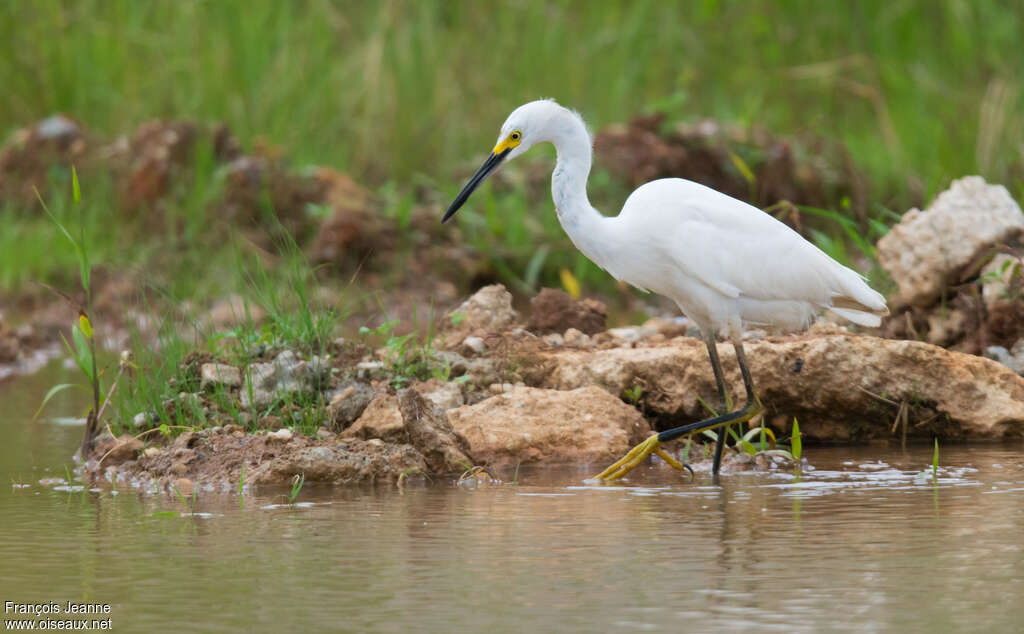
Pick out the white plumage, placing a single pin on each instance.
(725, 263)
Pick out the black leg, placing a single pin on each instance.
(751, 409)
(716, 366)
(653, 444)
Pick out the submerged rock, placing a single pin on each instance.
(840, 386)
(344, 463)
(929, 249)
(532, 425)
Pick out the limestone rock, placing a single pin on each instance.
(444, 450)
(834, 383)
(554, 311)
(928, 249)
(287, 374)
(213, 375)
(445, 394)
(381, 419)
(487, 310)
(348, 403)
(1012, 358)
(532, 425)
(345, 463)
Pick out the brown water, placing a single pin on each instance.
(853, 545)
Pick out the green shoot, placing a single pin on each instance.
(935, 462)
(795, 443)
(189, 502)
(633, 394)
(84, 350)
(241, 486)
(297, 483)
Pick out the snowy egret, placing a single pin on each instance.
(725, 263)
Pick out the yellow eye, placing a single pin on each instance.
(515, 135)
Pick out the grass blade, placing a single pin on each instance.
(796, 445)
(54, 391)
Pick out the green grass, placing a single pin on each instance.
(392, 89)
(407, 95)
(293, 319)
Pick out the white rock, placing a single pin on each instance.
(576, 338)
(553, 339)
(219, 374)
(283, 434)
(927, 249)
(476, 344)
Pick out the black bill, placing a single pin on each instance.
(491, 164)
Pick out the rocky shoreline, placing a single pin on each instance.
(518, 397)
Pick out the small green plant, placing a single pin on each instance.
(83, 351)
(795, 443)
(935, 462)
(633, 393)
(407, 357)
(241, 486)
(189, 502)
(297, 482)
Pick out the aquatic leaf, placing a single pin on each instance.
(165, 514)
(795, 441)
(935, 462)
(56, 389)
(84, 325)
(761, 431)
(75, 190)
(782, 453)
(569, 283)
(747, 447)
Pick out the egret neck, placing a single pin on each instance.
(586, 227)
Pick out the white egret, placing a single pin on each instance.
(725, 263)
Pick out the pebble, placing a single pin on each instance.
(284, 434)
(574, 337)
(476, 344)
(553, 339)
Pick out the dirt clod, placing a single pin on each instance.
(554, 311)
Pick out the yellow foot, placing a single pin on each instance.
(637, 455)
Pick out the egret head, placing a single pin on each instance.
(528, 125)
